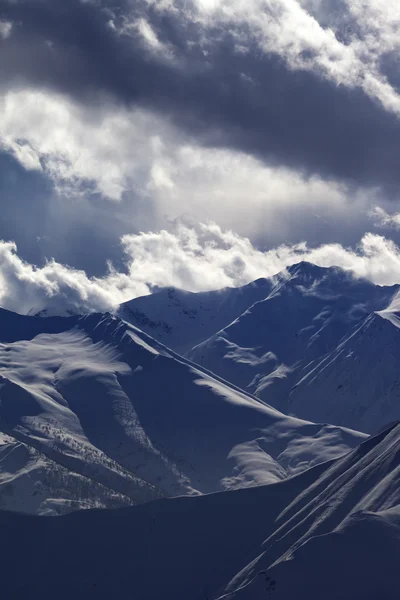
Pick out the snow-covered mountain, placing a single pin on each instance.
(317, 347)
(358, 382)
(295, 340)
(93, 412)
(181, 319)
(331, 532)
(340, 537)
(32, 482)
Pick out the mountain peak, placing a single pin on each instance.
(307, 268)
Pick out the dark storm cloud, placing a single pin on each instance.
(250, 101)
(82, 231)
(23, 206)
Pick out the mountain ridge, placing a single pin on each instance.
(293, 538)
(270, 348)
(103, 399)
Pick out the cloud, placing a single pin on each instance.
(5, 29)
(133, 157)
(278, 120)
(76, 150)
(24, 287)
(291, 85)
(383, 219)
(197, 257)
(346, 49)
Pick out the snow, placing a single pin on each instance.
(181, 319)
(358, 383)
(200, 488)
(332, 531)
(343, 529)
(31, 482)
(317, 347)
(296, 341)
(96, 397)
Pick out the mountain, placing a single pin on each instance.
(211, 493)
(296, 341)
(31, 482)
(181, 319)
(340, 537)
(317, 347)
(356, 383)
(330, 532)
(95, 413)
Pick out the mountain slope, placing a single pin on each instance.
(340, 537)
(181, 319)
(332, 532)
(105, 401)
(31, 482)
(357, 383)
(292, 338)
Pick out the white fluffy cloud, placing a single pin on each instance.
(196, 258)
(104, 149)
(122, 153)
(383, 219)
(134, 155)
(115, 151)
(345, 48)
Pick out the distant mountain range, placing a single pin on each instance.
(311, 342)
(226, 434)
(331, 532)
(181, 319)
(94, 413)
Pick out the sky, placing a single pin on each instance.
(194, 143)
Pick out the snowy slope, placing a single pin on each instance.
(103, 400)
(31, 482)
(340, 538)
(181, 319)
(331, 532)
(295, 349)
(356, 384)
